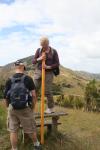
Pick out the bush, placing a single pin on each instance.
(79, 102)
(92, 97)
(3, 114)
(56, 89)
(1, 89)
(70, 101)
(66, 103)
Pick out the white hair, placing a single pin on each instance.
(44, 39)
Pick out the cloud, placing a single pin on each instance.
(19, 12)
(15, 47)
(73, 27)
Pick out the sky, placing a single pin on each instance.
(73, 27)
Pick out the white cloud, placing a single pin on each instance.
(20, 12)
(72, 25)
(14, 47)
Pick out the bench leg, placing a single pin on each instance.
(55, 124)
(49, 128)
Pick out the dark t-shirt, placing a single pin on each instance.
(28, 83)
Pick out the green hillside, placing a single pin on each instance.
(68, 80)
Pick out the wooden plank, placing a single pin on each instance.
(37, 115)
(46, 124)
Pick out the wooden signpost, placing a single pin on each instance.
(42, 100)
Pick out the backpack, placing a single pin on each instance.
(56, 71)
(19, 94)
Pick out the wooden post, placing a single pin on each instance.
(42, 100)
(55, 124)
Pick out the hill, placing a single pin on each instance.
(88, 75)
(70, 82)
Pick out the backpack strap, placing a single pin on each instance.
(23, 78)
(53, 52)
(22, 81)
(13, 79)
(39, 51)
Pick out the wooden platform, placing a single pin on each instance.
(53, 118)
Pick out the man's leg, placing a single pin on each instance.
(13, 126)
(29, 125)
(35, 139)
(48, 89)
(14, 140)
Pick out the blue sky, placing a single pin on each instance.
(73, 27)
(6, 1)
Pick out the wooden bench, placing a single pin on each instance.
(51, 123)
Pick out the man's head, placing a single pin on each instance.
(44, 42)
(20, 66)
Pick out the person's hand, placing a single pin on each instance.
(46, 67)
(43, 57)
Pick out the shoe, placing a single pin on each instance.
(49, 111)
(37, 147)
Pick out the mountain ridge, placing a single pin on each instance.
(83, 74)
(69, 81)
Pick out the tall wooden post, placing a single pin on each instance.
(42, 100)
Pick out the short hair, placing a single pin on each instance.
(20, 63)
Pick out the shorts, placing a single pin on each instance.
(24, 118)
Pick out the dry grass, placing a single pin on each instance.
(79, 131)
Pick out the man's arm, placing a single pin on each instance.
(37, 59)
(34, 100)
(6, 102)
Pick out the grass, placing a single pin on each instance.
(79, 131)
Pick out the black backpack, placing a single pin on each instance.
(56, 71)
(19, 94)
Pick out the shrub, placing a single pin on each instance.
(2, 117)
(70, 101)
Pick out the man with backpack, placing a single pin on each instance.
(51, 69)
(20, 98)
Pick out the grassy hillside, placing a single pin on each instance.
(88, 75)
(79, 131)
(68, 81)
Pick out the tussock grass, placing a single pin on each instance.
(79, 131)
